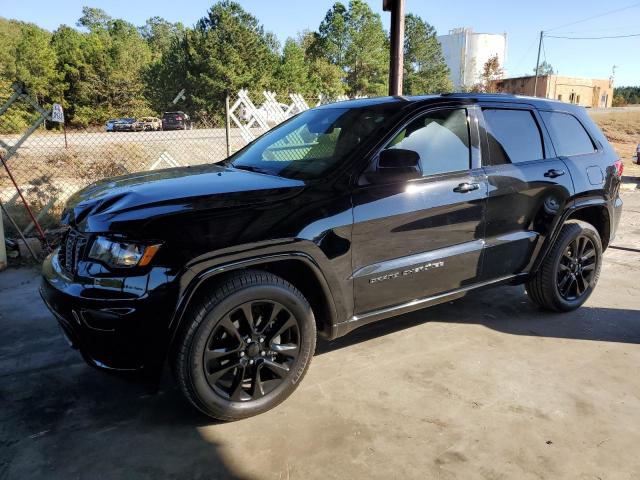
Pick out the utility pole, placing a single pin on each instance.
(535, 84)
(396, 65)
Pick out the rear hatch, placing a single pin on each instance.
(173, 119)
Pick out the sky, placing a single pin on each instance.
(522, 21)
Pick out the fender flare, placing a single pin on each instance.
(550, 240)
(188, 293)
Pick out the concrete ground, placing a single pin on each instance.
(484, 387)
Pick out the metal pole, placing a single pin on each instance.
(227, 123)
(535, 84)
(64, 129)
(3, 248)
(396, 65)
(26, 205)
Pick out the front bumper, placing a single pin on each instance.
(112, 328)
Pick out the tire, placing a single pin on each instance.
(570, 271)
(260, 367)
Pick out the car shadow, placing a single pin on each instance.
(507, 310)
(62, 419)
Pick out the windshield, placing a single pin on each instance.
(311, 143)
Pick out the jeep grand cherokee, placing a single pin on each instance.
(343, 215)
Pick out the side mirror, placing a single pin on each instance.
(395, 165)
(398, 158)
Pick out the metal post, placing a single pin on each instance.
(227, 123)
(3, 248)
(26, 205)
(535, 84)
(396, 65)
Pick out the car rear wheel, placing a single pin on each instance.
(570, 271)
(245, 347)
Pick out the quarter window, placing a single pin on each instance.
(441, 139)
(514, 136)
(567, 134)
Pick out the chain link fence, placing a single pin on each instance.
(49, 164)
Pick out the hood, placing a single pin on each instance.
(109, 204)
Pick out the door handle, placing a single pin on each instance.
(553, 173)
(466, 187)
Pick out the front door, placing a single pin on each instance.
(528, 187)
(418, 238)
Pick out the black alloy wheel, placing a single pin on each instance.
(576, 268)
(244, 347)
(569, 271)
(251, 350)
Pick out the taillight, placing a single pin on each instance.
(619, 167)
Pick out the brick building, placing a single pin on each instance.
(587, 92)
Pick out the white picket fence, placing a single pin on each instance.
(252, 120)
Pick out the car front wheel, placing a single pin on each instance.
(245, 347)
(569, 273)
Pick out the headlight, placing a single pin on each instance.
(122, 254)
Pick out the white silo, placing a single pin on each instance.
(466, 52)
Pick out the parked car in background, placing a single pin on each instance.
(344, 215)
(149, 124)
(109, 125)
(176, 121)
(126, 125)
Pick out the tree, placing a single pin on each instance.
(325, 78)
(94, 19)
(227, 50)
(627, 95)
(544, 68)
(332, 39)
(35, 63)
(490, 71)
(70, 47)
(293, 70)
(367, 54)
(159, 34)
(425, 70)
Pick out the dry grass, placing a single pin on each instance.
(622, 129)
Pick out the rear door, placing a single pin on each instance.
(414, 239)
(528, 186)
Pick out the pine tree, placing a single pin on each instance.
(425, 70)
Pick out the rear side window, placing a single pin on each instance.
(567, 134)
(514, 136)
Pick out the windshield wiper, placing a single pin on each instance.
(251, 168)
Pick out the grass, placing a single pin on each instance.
(622, 129)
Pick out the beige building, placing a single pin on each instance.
(587, 92)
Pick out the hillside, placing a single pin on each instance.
(623, 132)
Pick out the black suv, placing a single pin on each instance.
(343, 215)
(176, 121)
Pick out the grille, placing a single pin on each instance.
(71, 251)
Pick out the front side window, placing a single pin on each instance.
(441, 139)
(567, 134)
(513, 135)
(310, 144)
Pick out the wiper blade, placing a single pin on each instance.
(251, 168)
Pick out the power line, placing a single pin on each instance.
(610, 12)
(594, 38)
